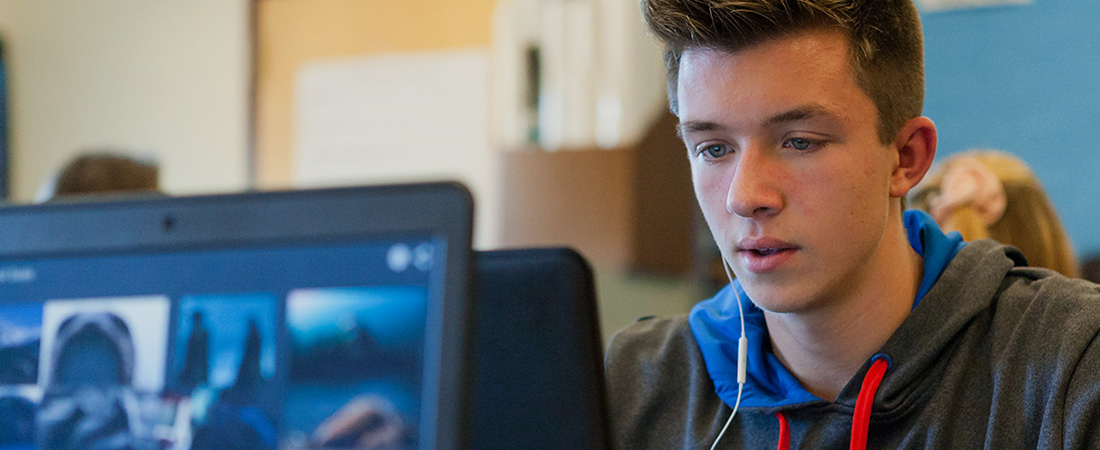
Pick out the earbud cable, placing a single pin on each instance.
(742, 354)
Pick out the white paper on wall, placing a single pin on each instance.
(941, 5)
(398, 118)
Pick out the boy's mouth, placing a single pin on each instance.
(762, 255)
(764, 245)
(768, 251)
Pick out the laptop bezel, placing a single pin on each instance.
(86, 227)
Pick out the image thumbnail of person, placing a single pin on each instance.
(95, 368)
(355, 369)
(225, 359)
(20, 335)
(196, 367)
(248, 373)
(85, 401)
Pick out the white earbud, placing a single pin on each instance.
(742, 352)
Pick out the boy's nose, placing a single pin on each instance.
(753, 191)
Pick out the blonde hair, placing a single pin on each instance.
(1024, 218)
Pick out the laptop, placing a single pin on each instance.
(537, 356)
(311, 319)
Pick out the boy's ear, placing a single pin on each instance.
(916, 147)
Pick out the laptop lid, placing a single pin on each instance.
(537, 356)
(309, 319)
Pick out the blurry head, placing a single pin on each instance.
(92, 349)
(102, 173)
(884, 40)
(87, 401)
(989, 194)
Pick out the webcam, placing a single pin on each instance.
(168, 223)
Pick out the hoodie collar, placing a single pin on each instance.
(936, 248)
(920, 346)
(716, 326)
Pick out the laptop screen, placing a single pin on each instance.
(315, 342)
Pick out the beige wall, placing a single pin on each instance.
(295, 32)
(169, 79)
(401, 115)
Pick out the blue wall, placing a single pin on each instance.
(1025, 79)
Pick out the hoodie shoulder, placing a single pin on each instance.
(639, 353)
(1031, 312)
(1046, 314)
(1046, 340)
(1083, 400)
(659, 393)
(995, 278)
(1049, 304)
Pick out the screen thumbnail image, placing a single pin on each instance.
(101, 370)
(355, 369)
(20, 335)
(223, 366)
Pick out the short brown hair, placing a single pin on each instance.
(884, 36)
(101, 173)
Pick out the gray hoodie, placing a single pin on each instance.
(997, 355)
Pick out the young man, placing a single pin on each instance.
(866, 325)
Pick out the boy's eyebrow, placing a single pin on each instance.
(799, 113)
(792, 115)
(696, 126)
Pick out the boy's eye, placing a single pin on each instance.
(800, 143)
(715, 151)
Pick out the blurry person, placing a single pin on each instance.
(235, 419)
(87, 399)
(990, 194)
(102, 173)
(233, 426)
(196, 366)
(248, 374)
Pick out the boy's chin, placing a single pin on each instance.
(779, 300)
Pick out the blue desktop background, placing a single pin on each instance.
(234, 286)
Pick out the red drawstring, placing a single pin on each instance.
(861, 420)
(784, 432)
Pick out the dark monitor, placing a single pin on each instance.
(537, 356)
(308, 319)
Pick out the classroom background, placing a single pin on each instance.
(552, 112)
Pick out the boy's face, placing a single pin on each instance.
(787, 165)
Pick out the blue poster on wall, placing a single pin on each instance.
(3, 127)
